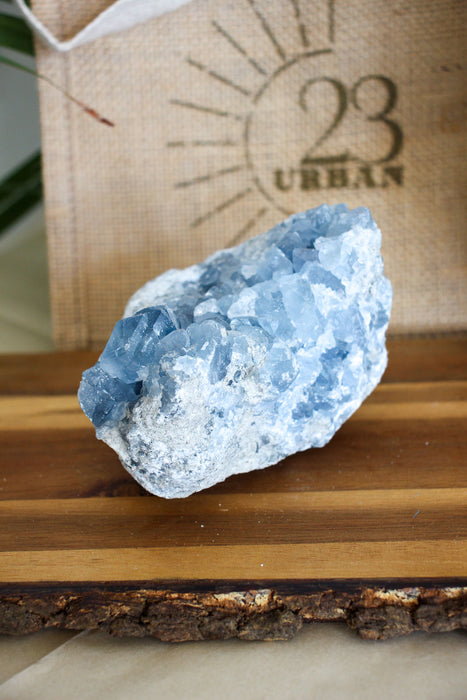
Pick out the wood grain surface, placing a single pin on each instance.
(383, 507)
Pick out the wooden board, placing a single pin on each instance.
(370, 529)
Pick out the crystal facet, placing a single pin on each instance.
(259, 352)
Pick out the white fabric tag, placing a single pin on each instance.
(122, 15)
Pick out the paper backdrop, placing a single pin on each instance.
(231, 115)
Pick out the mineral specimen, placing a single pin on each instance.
(259, 352)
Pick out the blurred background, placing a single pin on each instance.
(25, 323)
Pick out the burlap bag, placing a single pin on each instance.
(229, 115)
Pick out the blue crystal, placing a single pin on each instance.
(260, 351)
(117, 379)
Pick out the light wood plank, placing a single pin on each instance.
(407, 401)
(41, 413)
(435, 559)
(385, 500)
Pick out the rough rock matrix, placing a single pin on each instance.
(261, 351)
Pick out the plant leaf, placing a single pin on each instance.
(20, 190)
(86, 108)
(15, 34)
(20, 66)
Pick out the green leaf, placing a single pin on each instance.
(20, 66)
(20, 190)
(15, 34)
(86, 108)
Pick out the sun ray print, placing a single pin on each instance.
(218, 77)
(220, 143)
(220, 207)
(301, 26)
(209, 110)
(284, 120)
(239, 48)
(210, 176)
(267, 29)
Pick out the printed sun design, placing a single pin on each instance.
(280, 169)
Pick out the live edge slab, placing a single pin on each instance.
(369, 530)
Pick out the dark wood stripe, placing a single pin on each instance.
(417, 392)
(43, 373)
(427, 359)
(206, 520)
(300, 586)
(362, 455)
(60, 464)
(384, 454)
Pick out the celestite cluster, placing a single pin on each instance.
(259, 352)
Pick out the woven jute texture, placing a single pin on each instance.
(230, 115)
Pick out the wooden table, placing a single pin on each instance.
(370, 530)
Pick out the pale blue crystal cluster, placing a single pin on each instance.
(260, 351)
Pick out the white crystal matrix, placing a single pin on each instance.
(259, 352)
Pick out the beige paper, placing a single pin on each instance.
(229, 115)
(323, 662)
